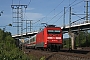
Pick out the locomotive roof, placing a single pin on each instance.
(51, 25)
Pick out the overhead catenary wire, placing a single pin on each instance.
(55, 7)
(67, 9)
(60, 12)
(29, 3)
(71, 4)
(80, 19)
(52, 11)
(77, 3)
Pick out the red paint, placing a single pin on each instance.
(54, 38)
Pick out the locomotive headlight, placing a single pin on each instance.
(58, 37)
(45, 43)
(49, 37)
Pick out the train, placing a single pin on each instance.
(50, 38)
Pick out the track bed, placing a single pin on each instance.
(64, 54)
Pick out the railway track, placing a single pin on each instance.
(61, 55)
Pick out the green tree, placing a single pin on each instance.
(8, 49)
(80, 40)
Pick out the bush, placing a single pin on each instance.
(8, 49)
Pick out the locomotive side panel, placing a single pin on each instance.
(45, 37)
(40, 40)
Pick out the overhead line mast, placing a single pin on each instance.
(19, 15)
(87, 21)
(87, 9)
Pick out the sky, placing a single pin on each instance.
(41, 11)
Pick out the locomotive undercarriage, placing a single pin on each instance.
(54, 47)
(50, 47)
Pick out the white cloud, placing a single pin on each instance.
(30, 8)
(34, 16)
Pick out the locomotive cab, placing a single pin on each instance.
(54, 37)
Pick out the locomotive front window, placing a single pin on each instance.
(53, 31)
(57, 31)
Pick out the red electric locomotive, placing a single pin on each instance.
(50, 38)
